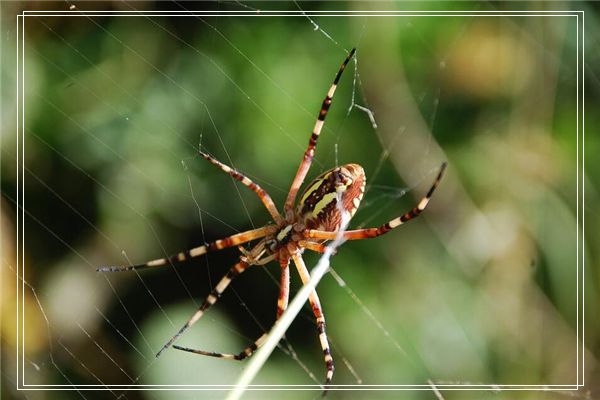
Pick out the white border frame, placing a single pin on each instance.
(270, 13)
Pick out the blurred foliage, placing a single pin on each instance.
(482, 289)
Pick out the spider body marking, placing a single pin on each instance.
(315, 220)
(336, 191)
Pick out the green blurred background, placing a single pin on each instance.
(481, 289)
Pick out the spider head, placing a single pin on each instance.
(335, 191)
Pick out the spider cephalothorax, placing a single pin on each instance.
(315, 220)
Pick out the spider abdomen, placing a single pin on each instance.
(318, 207)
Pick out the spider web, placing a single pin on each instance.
(137, 122)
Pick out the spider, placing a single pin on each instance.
(315, 220)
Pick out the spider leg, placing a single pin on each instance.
(229, 241)
(284, 287)
(318, 312)
(247, 352)
(385, 228)
(313, 246)
(282, 303)
(211, 299)
(310, 150)
(262, 194)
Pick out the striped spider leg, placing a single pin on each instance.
(230, 241)
(312, 144)
(367, 233)
(315, 304)
(282, 303)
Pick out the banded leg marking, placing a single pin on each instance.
(385, 228)
(312, 143)
(282, 303)
(262, 194)
(318, 312)
(229, 241)
(211, 299)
